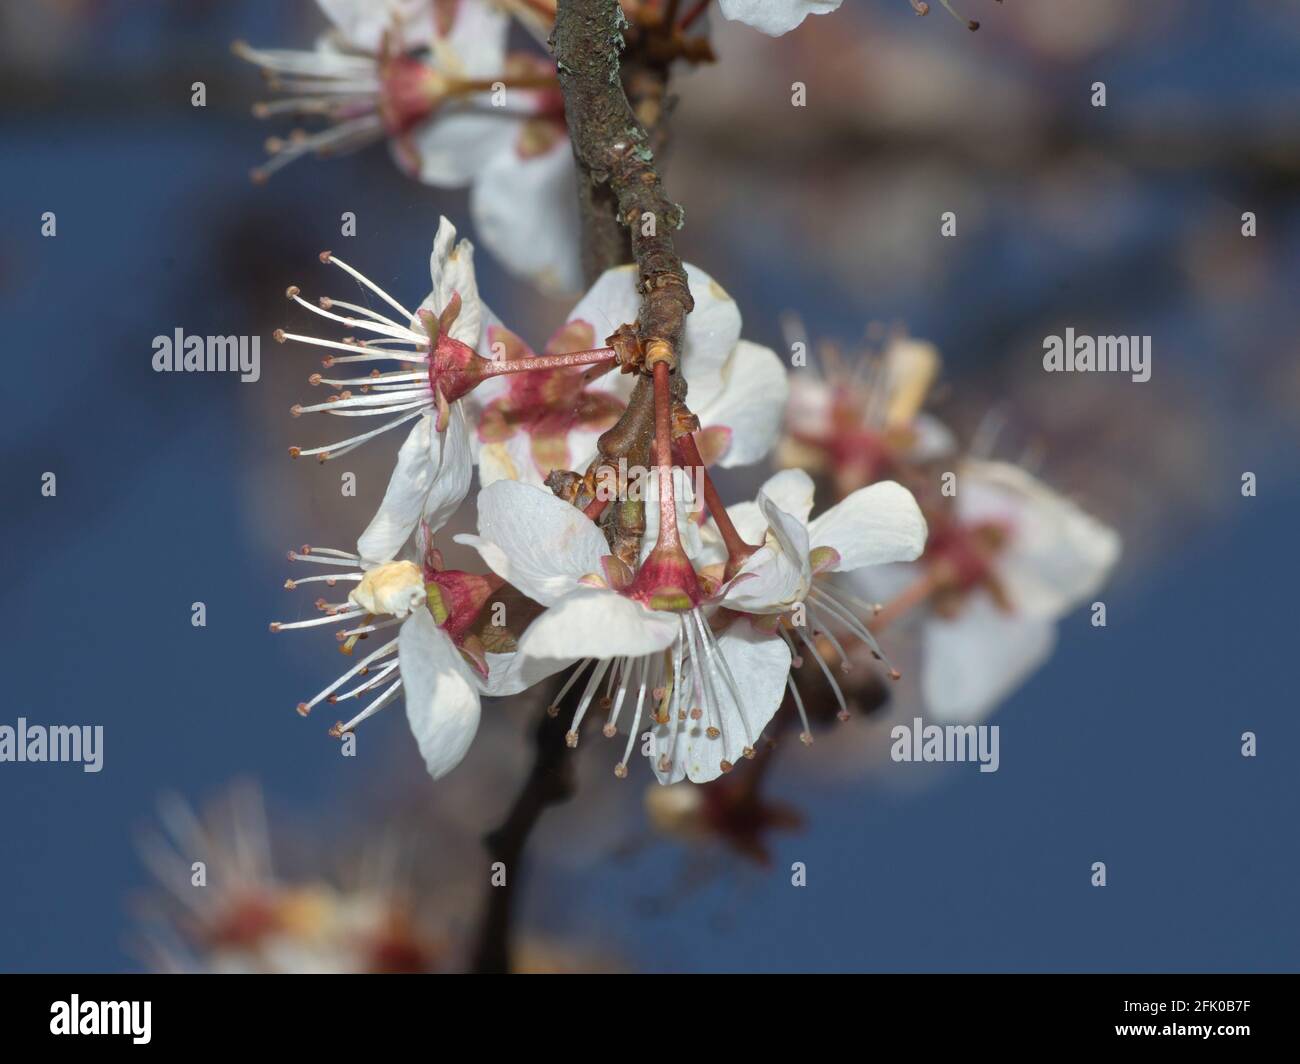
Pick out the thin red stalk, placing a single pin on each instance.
(541, 362)
(668, 537)
(737, 548)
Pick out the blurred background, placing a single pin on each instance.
(175, 489)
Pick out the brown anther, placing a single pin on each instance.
(552, 711)
(620, 770)
(748, 753)
(294, 452)
(303, 709)
(336, 729)
(275, 626)
(325, 256)
(289, 585)
(314, 379)
(712, 733)
(806, 738)
(296, 410)
(325, 302)
(725, 765)
(609, 731)
(278, 336)
(292, 292)
(571, 739)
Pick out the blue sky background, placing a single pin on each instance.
(175, 488)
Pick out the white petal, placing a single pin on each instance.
(759, 665)
(873, 526)
(404, 497)
(536, 542)
(451, 270)
(449, 454)
(363, 23)
(442, 704)
(510, 459)
(974, 661)
(430, 480)
(1057, 555)
(933, 440)
(793, 491)
(712, 333)
(712, 328)
(475, 47)
(611, 301)
(769, 582)
(526, 213)
(596, 623)
(750, 403)
(508, 674)
(456, 143)
(749, 521)
(775, 17)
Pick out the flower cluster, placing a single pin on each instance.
(1006, 557)
(458, 109)
(684, 638)
(604, 548)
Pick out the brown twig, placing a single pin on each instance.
(613, 149)
(619, 188)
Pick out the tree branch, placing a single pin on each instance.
(613, 148)
(624, 207)
(550, 782)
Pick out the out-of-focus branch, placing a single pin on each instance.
(549, 782)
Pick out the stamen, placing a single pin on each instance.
(388, 648)
(394, 332)
(623, 670)
(830, 678)
(553, 710)
(827, 601)
(571, 736)
(806, 736)
(715, 656)
(382, 702)
(326, 256)
(620, 770)
(316, 622)
(337, 450)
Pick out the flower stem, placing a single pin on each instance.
(738, 551)
(497, 367)
(668, 536)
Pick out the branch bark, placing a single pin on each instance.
(619, 191)
(613, 149)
